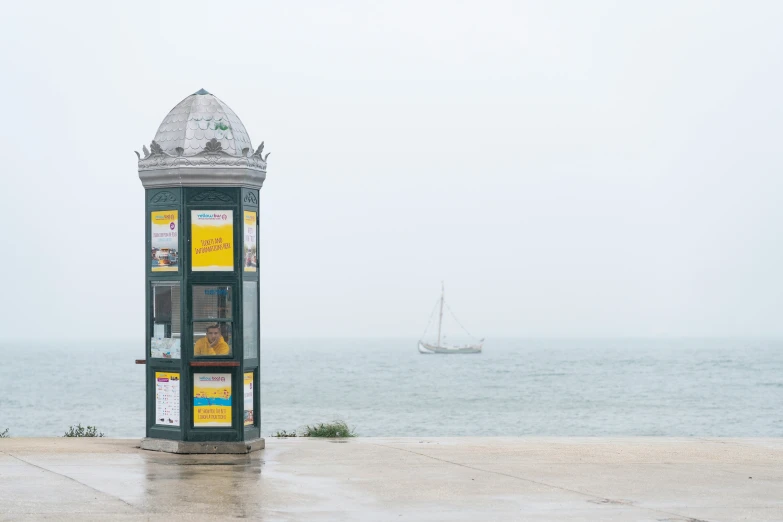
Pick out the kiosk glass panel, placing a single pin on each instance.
(250, 318)
(165, 322)
(211, 339)
(212, 325)
(211, 302)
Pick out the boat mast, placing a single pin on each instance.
(440, 320)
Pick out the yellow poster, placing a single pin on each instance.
(164, 239)
(211, 399)
(248, 416)
(212, 238)
(250, 246)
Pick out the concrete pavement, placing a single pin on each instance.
(429, 479)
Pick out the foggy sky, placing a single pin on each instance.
(567, 168)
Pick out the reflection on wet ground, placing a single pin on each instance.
(398, 478)
(217, 485)
(115, 477)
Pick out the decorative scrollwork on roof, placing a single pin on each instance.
(157, 150)
(259, 153)
(203, 159)
(164, 197)
(251, 198)
(213, 146)
(213, 155)
(212, 195)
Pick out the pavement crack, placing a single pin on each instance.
(716, 441)
(74, 480)
(595, 499)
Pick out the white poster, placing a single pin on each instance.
(167, 398)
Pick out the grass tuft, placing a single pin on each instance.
(336, 429)
(4, 434)
(82, 431)
(328, 429)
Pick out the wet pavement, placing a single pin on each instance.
(466, 479)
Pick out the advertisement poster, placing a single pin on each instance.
(164, 233)
(249, 399)
(167, 398)
(211, 399)
(212, 233)
(250, 250)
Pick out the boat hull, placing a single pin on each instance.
(425, 348)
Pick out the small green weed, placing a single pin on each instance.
(328, 429)
(322, 429)
(82, 431)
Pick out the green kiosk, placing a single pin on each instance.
(202, 178)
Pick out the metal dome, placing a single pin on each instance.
(196, 120)
(202, 142)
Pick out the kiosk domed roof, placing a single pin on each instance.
(196, 120)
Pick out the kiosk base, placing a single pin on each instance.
(178, 446)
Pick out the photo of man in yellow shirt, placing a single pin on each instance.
(212, 344)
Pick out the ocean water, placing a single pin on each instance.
(383, 387)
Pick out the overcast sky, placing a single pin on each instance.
(568, 168)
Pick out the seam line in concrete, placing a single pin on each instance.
(78, 482)
(732, 443)
(600, 500)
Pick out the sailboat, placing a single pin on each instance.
(441, 347)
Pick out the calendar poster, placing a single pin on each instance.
(167, 398)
